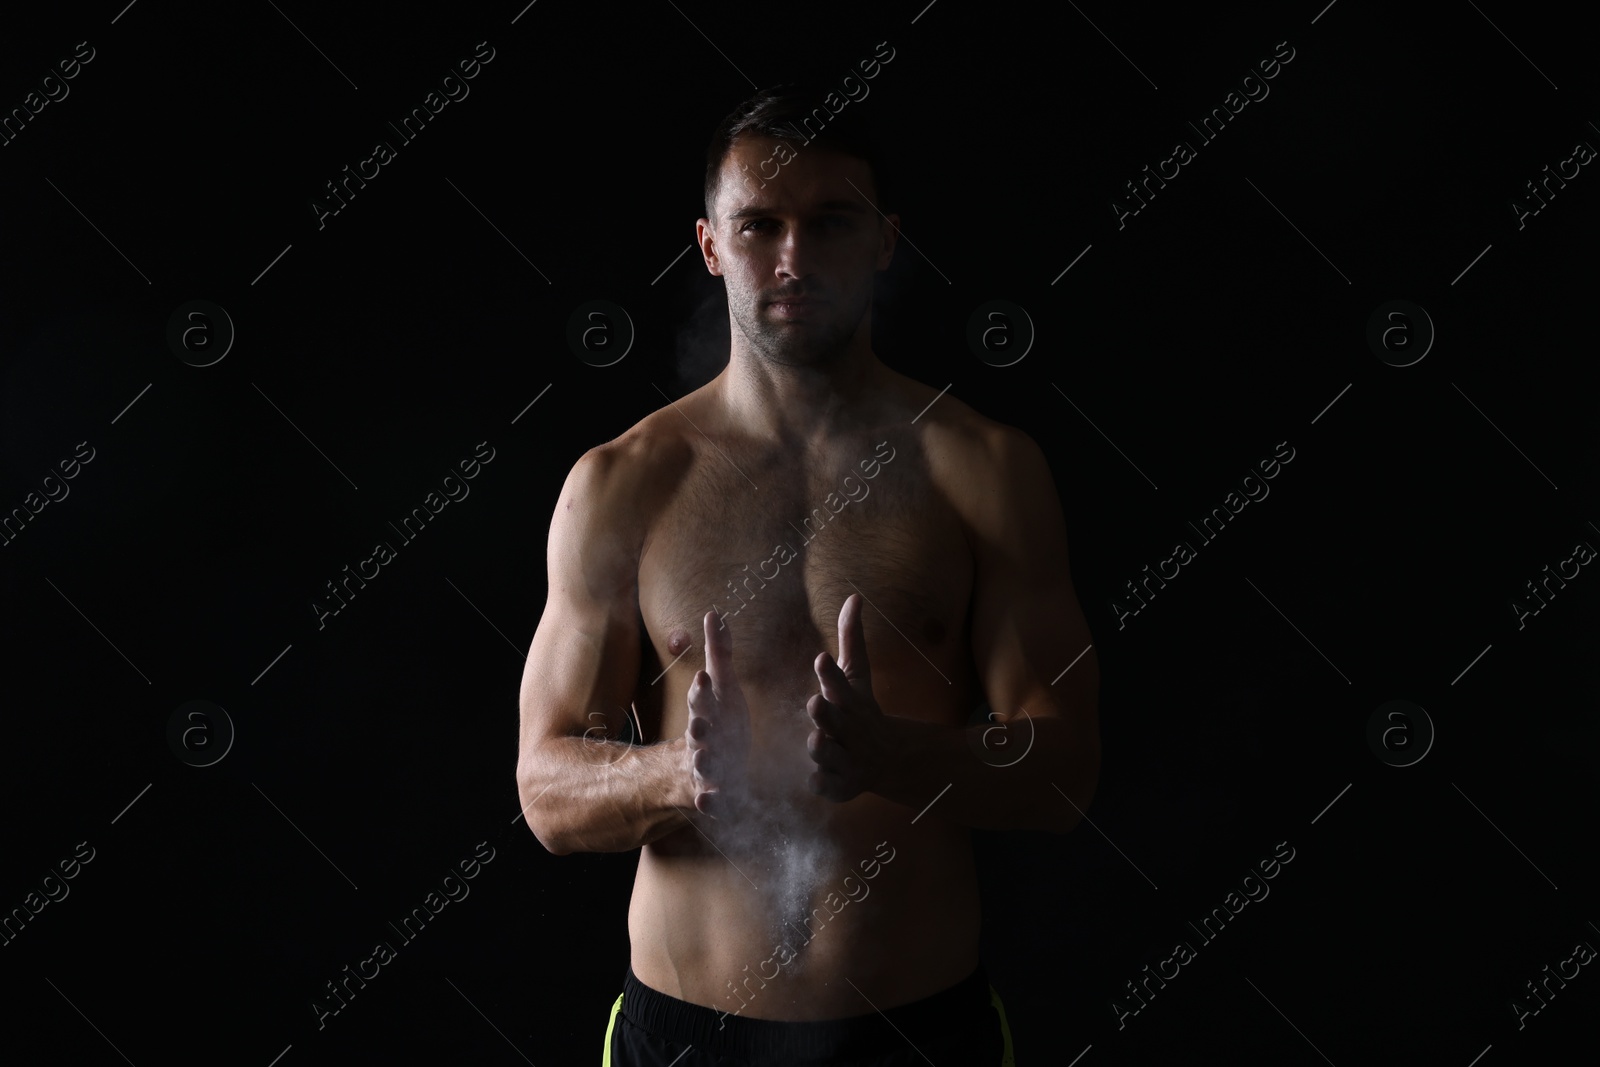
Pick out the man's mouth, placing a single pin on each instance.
(793, 305)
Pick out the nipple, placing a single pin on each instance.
(678, 641)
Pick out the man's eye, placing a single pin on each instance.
(838, 222)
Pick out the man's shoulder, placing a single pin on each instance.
(960, 441)
(631, 469)
(651, 441)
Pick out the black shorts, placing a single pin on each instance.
(965, 1024)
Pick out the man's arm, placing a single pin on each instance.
(581, 792)
(1027, 626)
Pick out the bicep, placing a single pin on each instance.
(1031, 641)
(583, 665)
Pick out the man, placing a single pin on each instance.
(802, 577)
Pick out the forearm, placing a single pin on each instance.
(582, 795)
(1045, 785)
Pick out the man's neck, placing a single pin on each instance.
(798, 405)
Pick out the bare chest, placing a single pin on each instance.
(774, 544)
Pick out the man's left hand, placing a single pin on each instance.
(853, 742)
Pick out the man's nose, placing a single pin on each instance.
(796, 255)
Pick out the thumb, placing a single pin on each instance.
(853, 642)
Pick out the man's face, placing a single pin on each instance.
(809, 235)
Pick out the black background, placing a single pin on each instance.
(1221, 320)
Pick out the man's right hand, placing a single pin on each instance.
(719, 728)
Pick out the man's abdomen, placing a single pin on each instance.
(864, 911)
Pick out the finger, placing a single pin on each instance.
(703, 708)
(705, 803)
(702, 691)
(853, 641)
(719, 654)
(835, 686)
(828, 785)
(825, 715)
(827, 753)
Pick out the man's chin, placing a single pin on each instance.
(793, 351)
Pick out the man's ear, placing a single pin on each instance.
(705, 235)
(891, 235)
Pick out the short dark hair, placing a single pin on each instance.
(795, 113)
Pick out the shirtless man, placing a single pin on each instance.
(795, 583)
